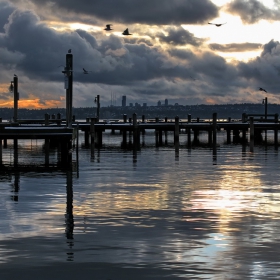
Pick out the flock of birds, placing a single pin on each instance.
(108, 28)
(126, 32)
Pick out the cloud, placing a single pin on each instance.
(252, 11)
(242, 47)
(157, 12)
(136, 67)
(5, 11)
(178, 36)
(264, 70)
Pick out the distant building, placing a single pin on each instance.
(130, 104)
(145, 105)
(166, 102)
(159, 103)
(123, 101)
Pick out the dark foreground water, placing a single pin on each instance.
(157, 213)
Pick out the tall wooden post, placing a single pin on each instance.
(252, 134)
(98, 107)
(214, 129)
(16, 97)
(276, 132)
(68, 72)
(176, 130)
(265, 108)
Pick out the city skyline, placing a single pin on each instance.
(173, 53)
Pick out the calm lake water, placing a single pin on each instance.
(184, 213)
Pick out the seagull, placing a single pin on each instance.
(192, 78)
(126, 32)
(262, 89)
(217, 24)
(15, 75)
(69, 51)
(108, 27)
(86, 71)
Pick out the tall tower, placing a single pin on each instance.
(124, 101)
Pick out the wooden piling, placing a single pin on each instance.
(252, 134)
(136, 133)
(1, 151)
(47, 152)
(214, 126)
(276, 132)
(176, 130)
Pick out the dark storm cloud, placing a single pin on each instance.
(242, 47)
(146, 11)
(251, 11)
(111, 59)
(5, 11)
(178, 36)
(265, 69)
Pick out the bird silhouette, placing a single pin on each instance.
(126, 32)
(262, 89)
(15, 75)
(69, 51)
(217, 24)
(108, 27)
(86, 71)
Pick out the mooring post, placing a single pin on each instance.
(93, 121)
(244, 120)
(16, 96)
(214, 129)
(143, 121)
(68, 85)
(165, 131)
(15, 152)
(276, 131)
(252, 134)
(229, 132)
(189, 118)
(124, 142)
(176, 130)
(157, 132)
(47, 117)
(59, 119)
(136, 139)
(87, 133)
(47, 151)
(1, 151)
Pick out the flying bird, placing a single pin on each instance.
(262, 89)
(217, 24)
(86, 71)
(108, 27)
(126, 32)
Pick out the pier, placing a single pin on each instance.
(55, 131)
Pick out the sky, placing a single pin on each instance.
(173, 52)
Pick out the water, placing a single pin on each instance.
(155, 213)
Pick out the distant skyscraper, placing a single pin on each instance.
(166, 102)
(159, 103)
(123, 101)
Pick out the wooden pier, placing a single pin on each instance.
(249, 129)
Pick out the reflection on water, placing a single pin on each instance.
(197, 212)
